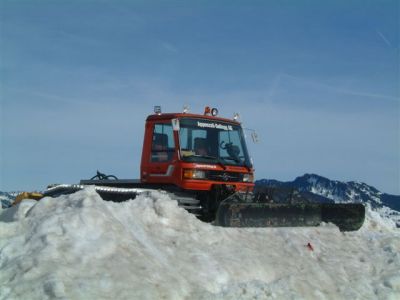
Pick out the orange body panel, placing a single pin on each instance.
(171, 171)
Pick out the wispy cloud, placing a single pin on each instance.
(46, 96)
(339, 89)
(387, 42)
(169, 47)
(274, 85)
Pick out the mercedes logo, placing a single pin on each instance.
(225, 176)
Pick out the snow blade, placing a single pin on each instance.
(236, 212)
(347, 216)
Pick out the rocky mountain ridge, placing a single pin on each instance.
(342, 192)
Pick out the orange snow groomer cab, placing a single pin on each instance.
(198, 153)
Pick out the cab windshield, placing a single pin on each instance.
(216, 142)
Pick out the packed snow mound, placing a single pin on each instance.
(81, 247)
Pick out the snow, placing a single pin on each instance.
(327, 192)
(80, 247)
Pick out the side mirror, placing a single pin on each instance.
(254, 137)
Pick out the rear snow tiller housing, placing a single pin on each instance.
(202, 161)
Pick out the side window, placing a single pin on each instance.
(163, 145)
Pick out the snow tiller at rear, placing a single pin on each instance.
(202, 161)
(285, 207)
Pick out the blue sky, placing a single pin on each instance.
(318, 80)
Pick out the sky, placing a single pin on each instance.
(317, 80)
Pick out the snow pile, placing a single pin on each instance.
(80, 247)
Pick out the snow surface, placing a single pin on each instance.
(80, 247)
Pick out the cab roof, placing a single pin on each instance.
(169, 116)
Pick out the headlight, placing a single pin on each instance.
(248, 177)
(194, 174)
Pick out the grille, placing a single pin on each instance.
(225, 176)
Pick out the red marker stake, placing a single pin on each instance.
(310, 247)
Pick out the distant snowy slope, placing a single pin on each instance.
(6, 199)
(387, 205)
(80, 247)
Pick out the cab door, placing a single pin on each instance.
(162, 153)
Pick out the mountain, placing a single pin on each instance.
(7, 198)
(338, 191)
